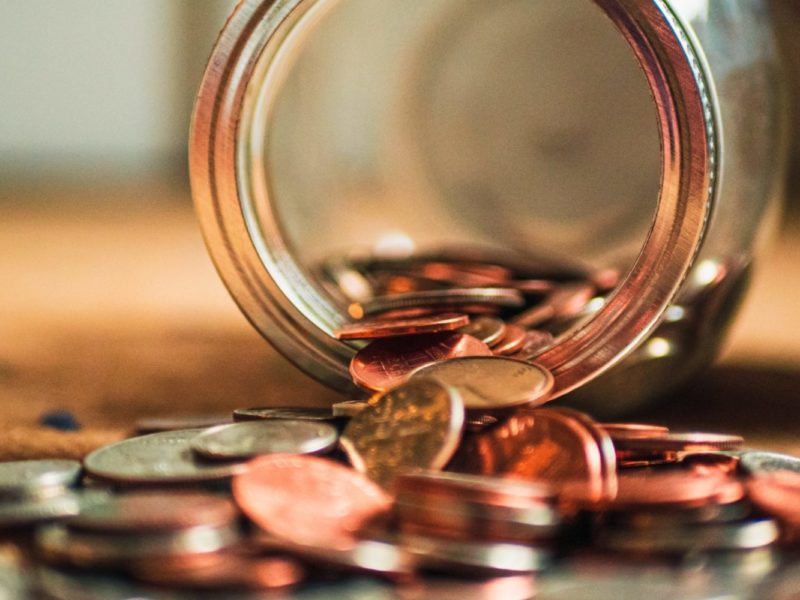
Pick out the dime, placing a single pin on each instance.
(253, 438)
(31, 478)
(513, 340)
(365, 330)
(489, 330)
(307, 500)
(386, 363)
(348, 408)
(416, 426)
(538, 445)
(156, 458)
(758, 463)
(678, 442)
(447, 297)
(492, 382)
(284, 412)
(158, 424)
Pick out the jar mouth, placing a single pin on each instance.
(279, 295)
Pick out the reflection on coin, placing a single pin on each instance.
(307, 500)
(156, 458)
(447, 297)
(20, 479)
(416, 426)
(677, 442)
(388, 362)
(253, 438)
(284, 412)
(492, 382)
(756, 462)
(489, 330)
(365, 330)
(156, 424)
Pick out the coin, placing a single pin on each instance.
(492, 382)
(535, 342)
(348, 408)
(711, 463)
(489, 330)
(678, 442)
(253, 438)
(633, 429)
(26, 478)
(157, 424)
(513, 340)
(156, 458)
(365, 330)
(307, 500)
(283, 412)
(565, 302)
(759, 462)
(672, 490)
(777, 493)
(26, 512)
(473, 488)
(388, 362)
(416, 426)
(447, 297)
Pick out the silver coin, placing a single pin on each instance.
(465, 556)
(158, 424)
(756, 462)
(292, 413)
(348, 408)
(30, 512)
(489, 330)
(492, 382)
(743, 535)
(254, 438)
(164, 457)
(447, 297)
(24, 478)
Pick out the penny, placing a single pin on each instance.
(253, 438)
(488, 383)
(531, 287)
(711, 463)
(307, 500)
(157, 424)
(777, 493)
(26, 478)
(475, 488)
(539, 445)
(671, 490)
(155, 511)
(386, 363)
(447, 297)
(489, 330)
(678, 442)
(283, 412)
(416, 426)
(156, 458)
(758, 462)
(365, 330)
(535, 342)
(513, 340)
(348, 408)
(565, 302)
(633, 429)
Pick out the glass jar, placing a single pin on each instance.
(643, 136)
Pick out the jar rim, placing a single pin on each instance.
(273, 291)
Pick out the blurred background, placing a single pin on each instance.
(110, 306)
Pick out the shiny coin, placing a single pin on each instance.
(488, 383)
(744, 535)
(416, 426)
(513, 341)
(535, 342)
(155, 511)
(365, 330)
(254, 438)
(440, 298)
(288, 412)
(756, 462)
(156, 458)
(348, 408)
(489, 330)
(386, 363)
(27, 478)
(158, 424)
(633, 429)
(307, 500)
(475, 557)
(678, 442)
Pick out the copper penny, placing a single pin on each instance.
(416, 426)
(307, 500)
(565, 302)
(538, 445)
(513, 340)
(673, 490)
(535, 342)
(778, 494)
(711, 463)
(380, 329)
(386, 363)
(678, 442)
(447, 297)
(633, 429)
(489, 330)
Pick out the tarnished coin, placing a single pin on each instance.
(156, 458)
(489, 330)
(513, 341)
(284, 412)
(307, 500)
(155, 511)
(157, 424)
(254, 438)
(348, 408)
(492, 382)
(677, 442)
(27, 478)
(386, 363)
(365, 330)
(416, 426)
(758, 463)
(446, 297)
